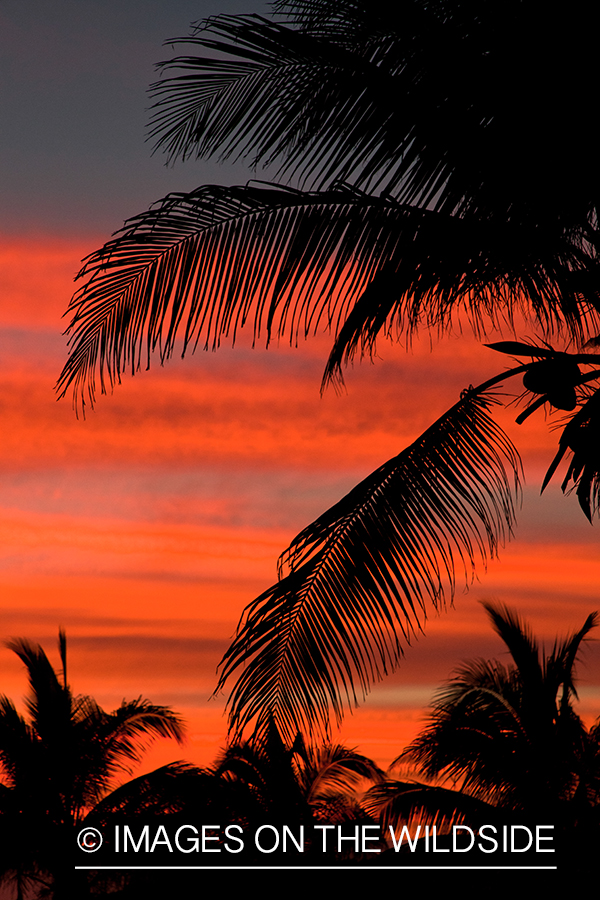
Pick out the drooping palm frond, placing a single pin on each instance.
(361, 579)
(207, 262)
(200, 266)
(482, 271)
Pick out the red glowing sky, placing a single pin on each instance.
(146, 528)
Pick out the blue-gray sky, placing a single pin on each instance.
(74, 110)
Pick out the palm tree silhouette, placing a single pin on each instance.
(59, 765)
(295, 783)
(420, 187)
(506, 737)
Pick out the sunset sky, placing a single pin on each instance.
(146, 528)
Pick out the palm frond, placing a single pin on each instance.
(200, 266)
(327, 770)
(502, 732)
(414, 97)
(520, 642)
(263, 770)
(129, 730)
(426, 804)
(206, 262)
(555, 379)
(62, 649)
(17, 745)
(581, 436)
(48, 702)
(316, 104)
(560, 665)
(164, 790)
(359, 580)
(482, 271)
(475, 735)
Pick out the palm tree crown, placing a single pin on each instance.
(60, 761)
(296, 783)
(507, 736)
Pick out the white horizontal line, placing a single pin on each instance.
(321, 868)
